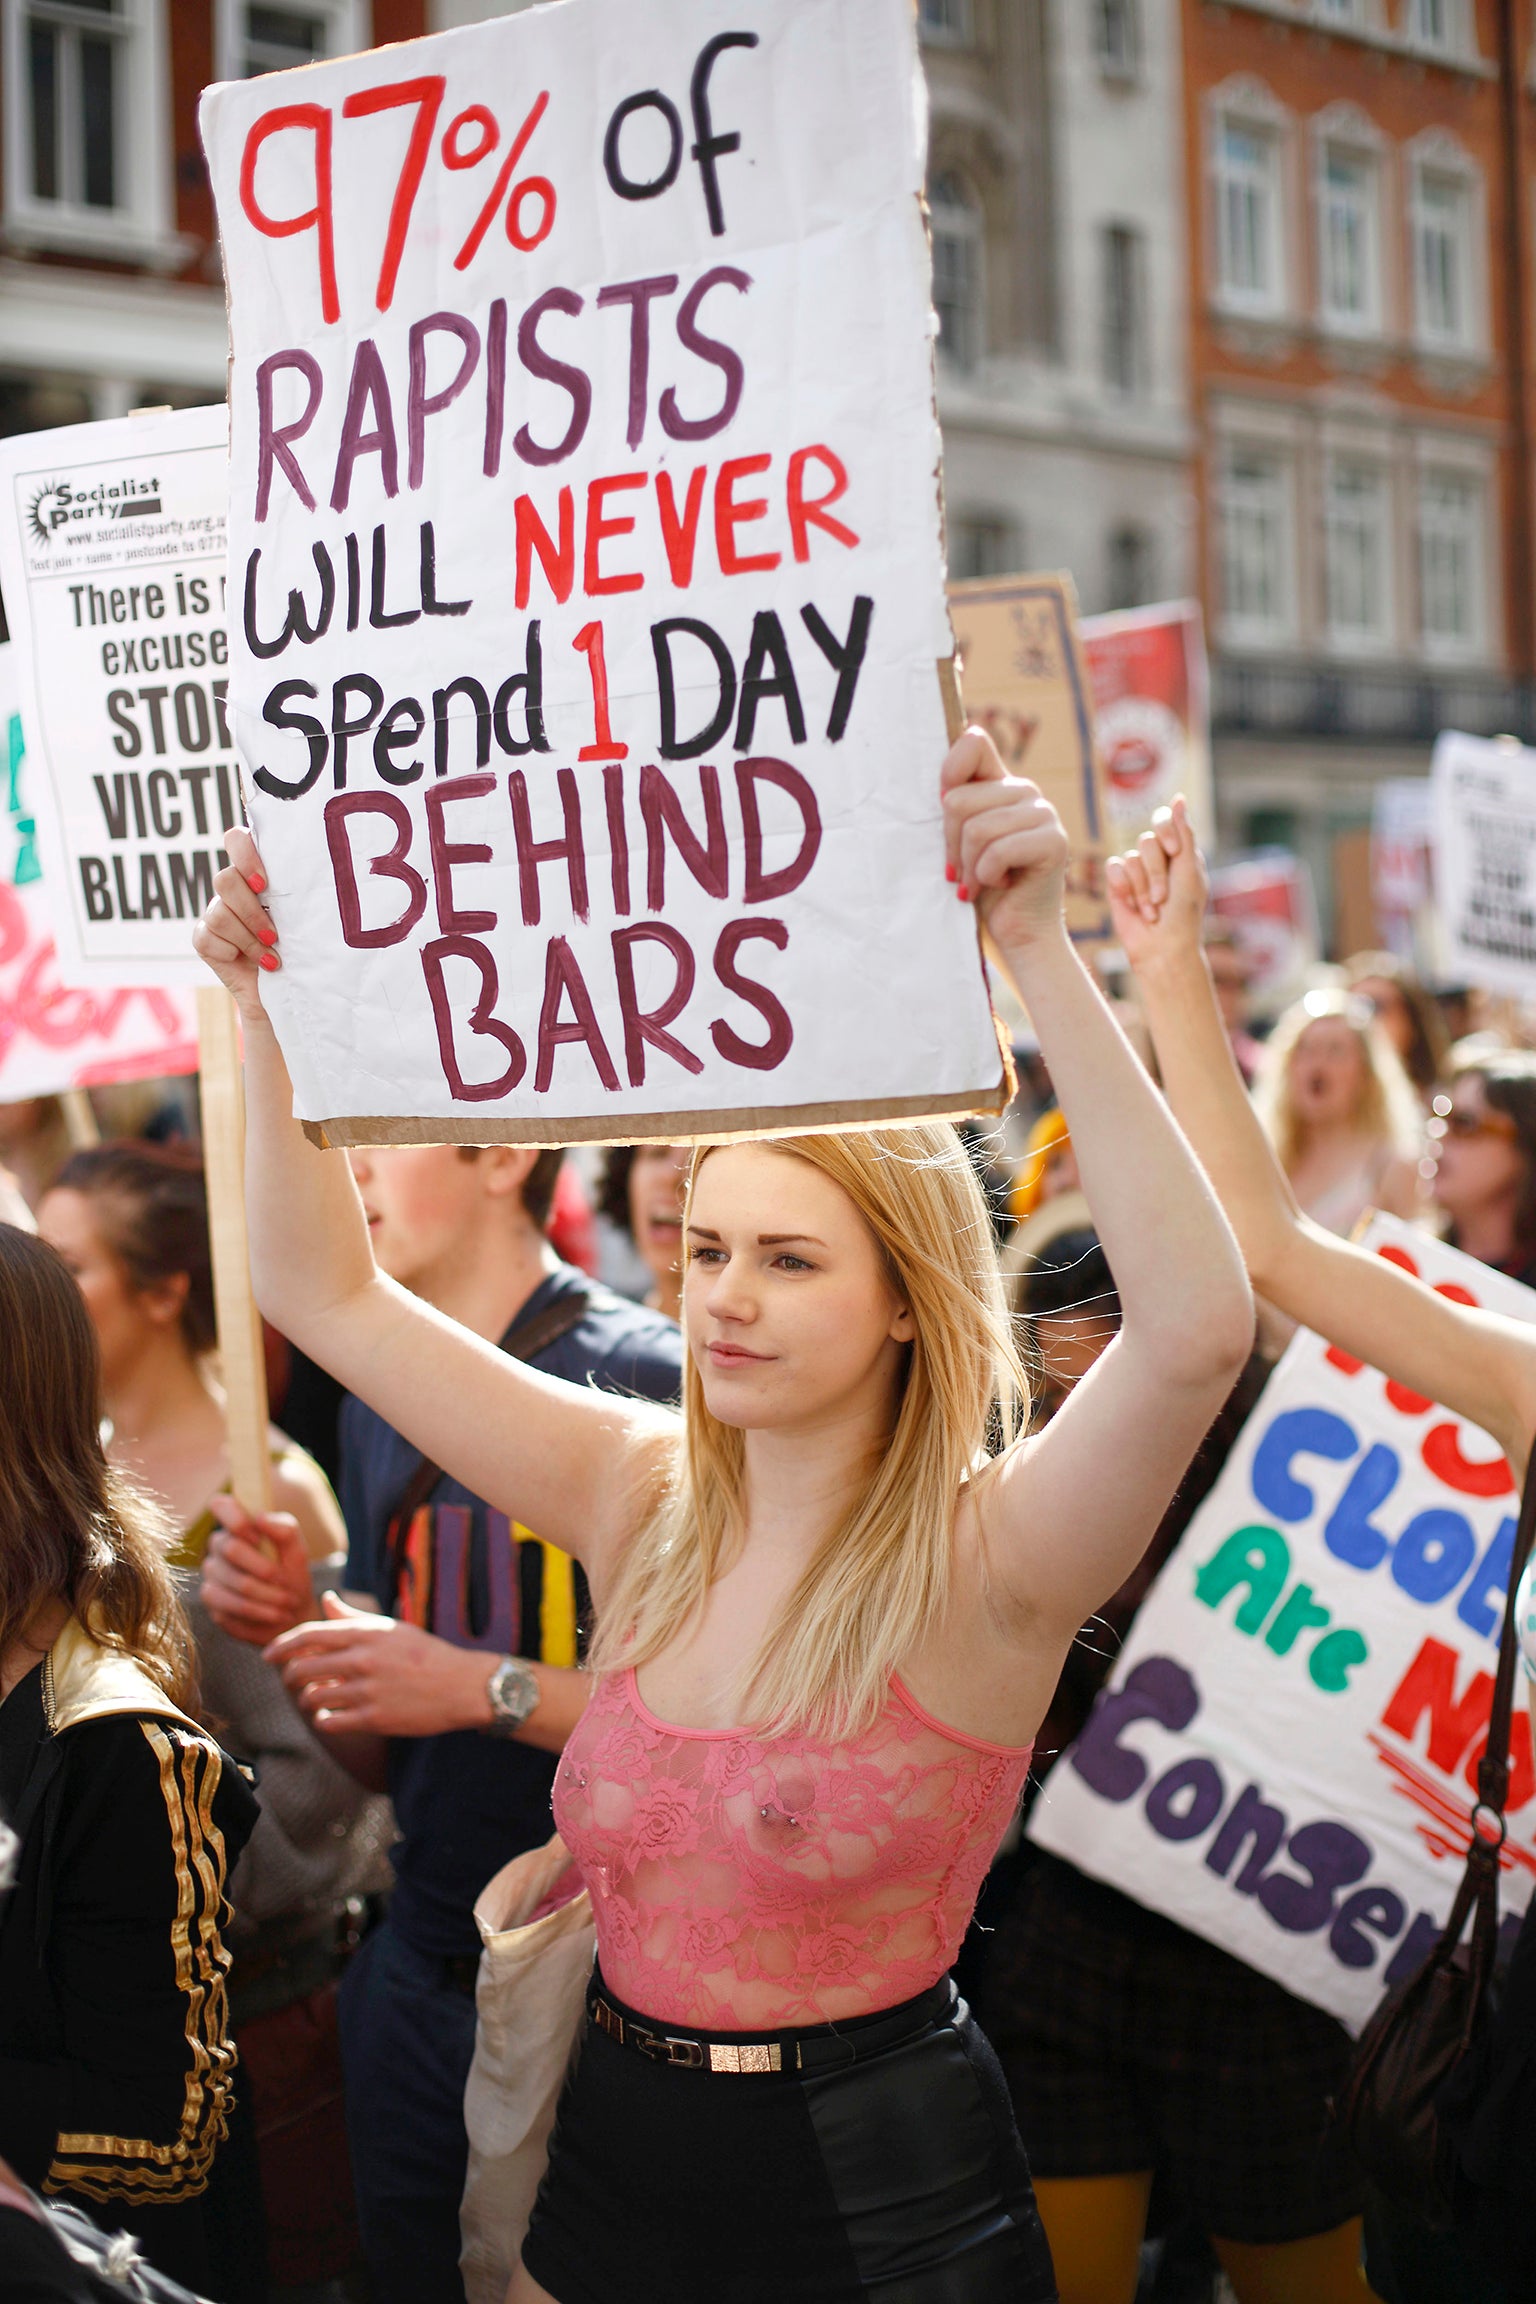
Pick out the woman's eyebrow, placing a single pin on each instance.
(783, 1239)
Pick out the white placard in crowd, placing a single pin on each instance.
(1285, 1756)
(586, 574)
(1152, 714)
(1485, 860)
(112, 569)
(55, 1036)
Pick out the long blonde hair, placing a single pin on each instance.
(879, 1581)
(1386, 1110)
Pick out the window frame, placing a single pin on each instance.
(140, 226)
(1452, 42)
(968, 358)
(1272, 300)
(1441, 647)
(350, 22)
(961, 34)
(1132, 330)
(1240, 628)
(1438, 156)
(1125, 68)
(1341, 142)
(1378, 638)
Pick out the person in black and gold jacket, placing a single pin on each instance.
(116, 2064)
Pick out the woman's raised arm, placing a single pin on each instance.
(1069, 1513)
(1478, 1363)
(555, 1456)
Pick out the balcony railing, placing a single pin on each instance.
(1366, 704)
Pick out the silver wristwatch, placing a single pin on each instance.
(513, 1689)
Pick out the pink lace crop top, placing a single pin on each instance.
(753, 1883)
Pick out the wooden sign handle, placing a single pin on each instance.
(949, 689)
(79, 1120)
(244, 1366)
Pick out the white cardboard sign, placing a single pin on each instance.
(1284, 1758)
(586, 574)
(1485, 860)
(112, 568)
(54, 1035)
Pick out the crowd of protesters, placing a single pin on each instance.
(257, 1770)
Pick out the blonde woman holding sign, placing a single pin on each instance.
(829, 1623)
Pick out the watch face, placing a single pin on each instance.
(514, 1692)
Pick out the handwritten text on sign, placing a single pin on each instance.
(585, 571)
(112, 560)
(1285, 1759)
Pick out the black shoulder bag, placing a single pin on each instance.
(1418, 2046)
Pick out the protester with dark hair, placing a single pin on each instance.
(1407, 1015)
(460, 1694)
(641, 1193)
(1485, 1167)
(116, 2064)
(131, 1221)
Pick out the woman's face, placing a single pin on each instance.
(1479, 1163)
(124, 1317)
(1326, 1073)
(658, 1178)
(786, 1306)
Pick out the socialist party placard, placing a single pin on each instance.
(586, 574)
(112, 571)
(1285, 1757)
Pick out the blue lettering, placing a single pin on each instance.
(1379, 1909)
(1433, 1554)
(1298, 1432)
(1481, 1606)
(1350, 1533)
(1332, 1857)
(1250, 1818)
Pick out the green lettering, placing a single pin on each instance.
(1258, 1557)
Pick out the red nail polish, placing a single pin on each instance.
(268, 960)
(267, 935)
(963, 893)
(949, 872)
(255, 883)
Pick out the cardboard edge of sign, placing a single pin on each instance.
(732, 1125)
(728, 1125)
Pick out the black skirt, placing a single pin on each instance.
(897, 2175)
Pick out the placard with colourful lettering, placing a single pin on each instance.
(112, 569)
(1285, 1756)
(587, 575)
(54, 1035)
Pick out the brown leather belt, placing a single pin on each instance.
(820, 2048)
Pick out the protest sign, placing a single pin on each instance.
(112, 568)
(53, 1037)
(1485, 860)
(1151, 705)
(1024, 681)
(1267, 901)
(587, 579)
(1285, 1756)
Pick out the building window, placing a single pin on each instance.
(1439, 25)
(955, 220)
(1357, 555)
(982, 544)
(1256, 554)
(1345, 12)
(1450, 562)
(1122, 264)
(945, 23)
(1130, 568)
(1248, 215)
(1117, 37)
(1443, 258)
(86, 91)
(77, 57)
(254, 38)
(1349, 268)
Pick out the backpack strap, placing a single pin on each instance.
(527, 1337)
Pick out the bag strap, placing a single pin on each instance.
(1479, 1889)
(524, 1340)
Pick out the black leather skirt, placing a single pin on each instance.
(887, 2166)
